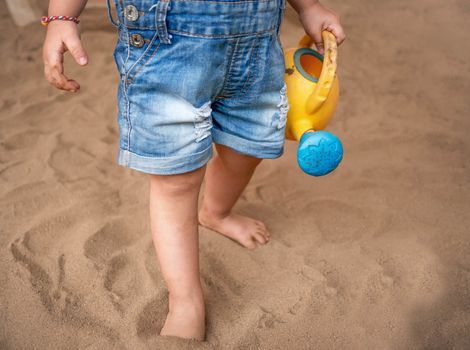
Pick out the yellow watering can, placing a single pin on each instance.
(312, 92)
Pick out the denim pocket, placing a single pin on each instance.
(133, 50)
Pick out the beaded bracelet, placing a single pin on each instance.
(46, 19)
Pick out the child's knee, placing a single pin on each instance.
(178, 184)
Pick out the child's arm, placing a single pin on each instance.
(62, 36)
(315, 18)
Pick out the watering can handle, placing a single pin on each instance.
(328, 73)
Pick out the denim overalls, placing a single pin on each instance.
(193, 72)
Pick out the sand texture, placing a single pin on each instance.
(375, 255)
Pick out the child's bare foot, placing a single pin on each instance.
(242, 229)
(185, 319)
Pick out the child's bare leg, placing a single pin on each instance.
(173, 212)
(227, 175)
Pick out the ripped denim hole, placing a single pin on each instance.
(283, 107)
(203, 121)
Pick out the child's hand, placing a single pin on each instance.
(315, 18)
(62, 36)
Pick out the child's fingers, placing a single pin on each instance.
(337, 31)
(64, 83)
(53, 71)
(318, 40)
(320, 47)
(74, 45)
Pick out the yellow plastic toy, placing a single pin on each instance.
(313, 92)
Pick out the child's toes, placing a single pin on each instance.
(264, 233)
(260, 237)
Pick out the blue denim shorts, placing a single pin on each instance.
(194, 72)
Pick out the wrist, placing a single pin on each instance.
(45, 20)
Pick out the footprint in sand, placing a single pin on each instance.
(151, 265)
(216, 276)
(62, 303)
(71, 163)
(273, 195)
(25, 139)
(108, 248)
(330, 279)
(152, 317)
(7, 103)
(112, 238)
(21, 172)
(41, 115)
(122, 281)
(337, 221)
(105, 248)
(296, 307)
(269, 194)
(48, 235)
(30, 200)
(409, 266)
(268, 319)
(334, 285)
(222, 291)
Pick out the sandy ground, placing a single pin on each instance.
(373, 256)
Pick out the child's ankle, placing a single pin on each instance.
(207, 213)
(192, 298)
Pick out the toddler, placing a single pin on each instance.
(193, 73)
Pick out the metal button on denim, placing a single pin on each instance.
(131, 13)
(137, 40)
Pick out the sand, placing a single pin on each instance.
(375, 255)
